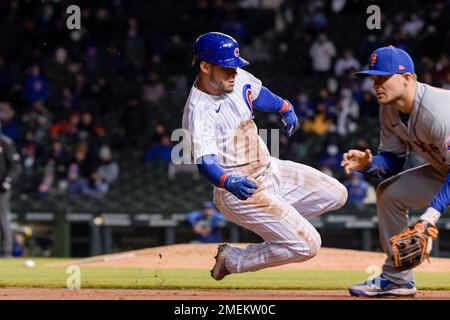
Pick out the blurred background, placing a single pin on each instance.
(91, 111)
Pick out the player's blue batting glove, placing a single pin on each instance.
(288, 118)
(241, 187)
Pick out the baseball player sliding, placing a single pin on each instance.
(273, 198)
(414, 116)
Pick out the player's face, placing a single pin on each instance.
(223, 78)
(388, 88)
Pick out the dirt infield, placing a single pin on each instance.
(103, 294)
(201, 256)
(189, 256)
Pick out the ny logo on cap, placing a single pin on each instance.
(373, 59)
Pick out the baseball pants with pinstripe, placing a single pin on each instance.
(288, 195)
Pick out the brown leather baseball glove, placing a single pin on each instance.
(413, 245)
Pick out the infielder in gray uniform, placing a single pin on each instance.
(414, 117)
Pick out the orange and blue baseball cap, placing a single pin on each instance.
(386, 61)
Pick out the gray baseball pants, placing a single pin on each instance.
(411, 189)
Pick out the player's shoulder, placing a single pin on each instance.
(433, 111)
(434, 103)
(246, 79)
(245, 74)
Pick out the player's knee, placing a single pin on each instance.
(385, 193)
(314, 247)
(340, 195)
(343, 195)
(391, 199)
(379, 191)
(309, 246)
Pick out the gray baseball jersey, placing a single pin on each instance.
(428, 130)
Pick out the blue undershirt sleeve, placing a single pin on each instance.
(385, 165)
(441, 201)
(268, 101)
(211, 170)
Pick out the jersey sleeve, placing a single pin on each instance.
(389, 141)
(254, 82)
(203, 131)
(440, 133)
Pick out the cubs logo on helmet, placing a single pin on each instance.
(247, 95)
(218, 48)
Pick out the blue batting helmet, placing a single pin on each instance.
(218, 48)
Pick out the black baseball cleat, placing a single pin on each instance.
(219, 271)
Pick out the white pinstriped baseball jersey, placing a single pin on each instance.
(288, 193)
(223, 125)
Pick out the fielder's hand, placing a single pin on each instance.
(356, 160)
(241, 187)
(289, 119)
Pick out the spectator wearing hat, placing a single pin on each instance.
(357, 189)
(206, 224)
(35, 86)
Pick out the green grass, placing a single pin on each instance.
(14, 274)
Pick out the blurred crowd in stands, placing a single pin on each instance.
(72, 100)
